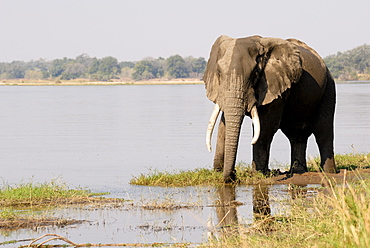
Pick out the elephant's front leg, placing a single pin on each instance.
(261, 150)
(270, 117)
(298, 154)
(218, 162)
(261, 154)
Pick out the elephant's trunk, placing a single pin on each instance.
(234, 113)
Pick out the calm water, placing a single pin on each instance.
(100, 136)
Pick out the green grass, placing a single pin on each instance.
(348, 161)
(244, 173)
(33, 194)
(200, 176)
(340, 218)
(28, 204)
(178, 178)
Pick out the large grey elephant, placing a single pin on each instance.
(279, 84)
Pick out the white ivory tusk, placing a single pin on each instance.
(256, 125)
(211, 125)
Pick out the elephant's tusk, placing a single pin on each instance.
(211, 125)
(256, 125)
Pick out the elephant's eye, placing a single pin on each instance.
(218, 72)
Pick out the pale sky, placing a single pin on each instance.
(130, 30)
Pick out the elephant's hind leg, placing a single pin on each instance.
(218, 161)
(324, 128)
(324, 140)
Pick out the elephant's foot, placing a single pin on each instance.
(218, 164)
(230, 177)
(329, 166)
(218, 168)
(264, 170)
(298, 168)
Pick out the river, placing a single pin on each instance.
(99, 137)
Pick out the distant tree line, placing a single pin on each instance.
(350, 65)
(104, 69)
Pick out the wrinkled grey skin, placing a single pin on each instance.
(292, 89)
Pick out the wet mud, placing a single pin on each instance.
(36, 223)
(321, 178)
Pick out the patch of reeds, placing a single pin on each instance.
(338, 218)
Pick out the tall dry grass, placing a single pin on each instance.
(339, 216)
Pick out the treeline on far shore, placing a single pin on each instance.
(104, 69)
(351, 65)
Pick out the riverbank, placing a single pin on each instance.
(25, 82)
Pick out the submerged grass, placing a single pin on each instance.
(340, 218)
(244, 173)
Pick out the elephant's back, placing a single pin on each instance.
(312, 62)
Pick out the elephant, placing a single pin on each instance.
(279, 84)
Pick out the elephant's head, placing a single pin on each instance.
(243, 74)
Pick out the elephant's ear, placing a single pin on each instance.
(212, 75)
(282, 69)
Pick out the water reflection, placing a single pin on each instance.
(261, 202)
(266, 201)
(227, 207)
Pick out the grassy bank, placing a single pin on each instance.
(200, 176)
(349, 161)
(340, 218)
(244, 173)
(39, 194)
